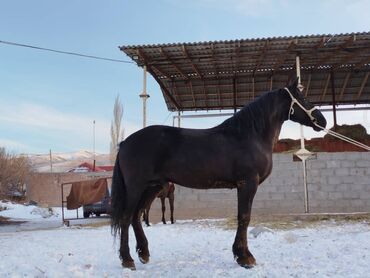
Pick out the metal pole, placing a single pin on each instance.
(94, 146)
(334, 102)
(144, 96)
(298, 69)
(306, 208)
(305, 187)
(62, 205)
(51, 162)
(179, 119)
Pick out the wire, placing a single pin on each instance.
(165, 120)
(66, 52)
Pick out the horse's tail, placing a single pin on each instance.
(118, 198)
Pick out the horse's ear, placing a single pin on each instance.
(293, 83)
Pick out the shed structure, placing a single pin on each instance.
(220, 75)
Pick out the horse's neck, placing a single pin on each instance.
(275, 115)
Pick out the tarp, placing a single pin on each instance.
(86, 192)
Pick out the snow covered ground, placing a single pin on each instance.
(188, 249)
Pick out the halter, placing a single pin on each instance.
(295, 101)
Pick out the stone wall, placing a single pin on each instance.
(337, 182)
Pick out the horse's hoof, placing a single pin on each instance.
(129, 265)
(143, 255)
(144, 259)
(247, 263)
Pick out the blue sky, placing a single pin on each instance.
(49, 100)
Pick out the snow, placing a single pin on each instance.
(32, 212)
(199, 248)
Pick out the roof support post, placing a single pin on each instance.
(144, 96)
(179, 119)
(298, 69)
(234, 94)
(303, 148)
(333, 98)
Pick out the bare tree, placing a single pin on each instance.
(116, 133)
(14, 170)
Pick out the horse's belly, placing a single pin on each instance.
(209, 185)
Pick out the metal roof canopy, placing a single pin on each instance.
(228, 74)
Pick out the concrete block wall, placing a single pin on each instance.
(337, 182)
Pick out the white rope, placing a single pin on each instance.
(333, 133)
(344, 138)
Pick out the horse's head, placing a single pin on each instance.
(302, 111)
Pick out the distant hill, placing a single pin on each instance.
(62, 162)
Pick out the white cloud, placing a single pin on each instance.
(68, 128)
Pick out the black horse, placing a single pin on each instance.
(235, 154)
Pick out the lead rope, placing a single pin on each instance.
(328, 131)
(344, 138)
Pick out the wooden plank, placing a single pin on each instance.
(284, 56)
(195, 68)
(261, 56)
(173, 64)
(192, 93)
(366, 77)
(325, 88)
(308, 85)
(164, 89)
(344, 86)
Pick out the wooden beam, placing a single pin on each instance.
(205, 94)
(344, 86)
(283, 57)
(164, 89)
(349, 57)
(237, 58)
(165, 55)
(147, 62)
(192, 92)
(308, 85)
(195, 68)
(261, 56)
(362, 62)
(366, 77)
(219, 93)
(325, 88)
(327, 57)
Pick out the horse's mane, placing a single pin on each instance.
(253, 117)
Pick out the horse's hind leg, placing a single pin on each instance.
(141, 241)
(133, 198)
(124, 250)
(246, 191)
(146, 216)
(171, 199)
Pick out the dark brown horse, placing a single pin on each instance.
(168, 191)
(235, 154)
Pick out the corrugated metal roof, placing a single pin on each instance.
(227, 74)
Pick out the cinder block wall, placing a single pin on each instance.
(337, 182)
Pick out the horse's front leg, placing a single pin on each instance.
(163, 199)
(246, 191)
